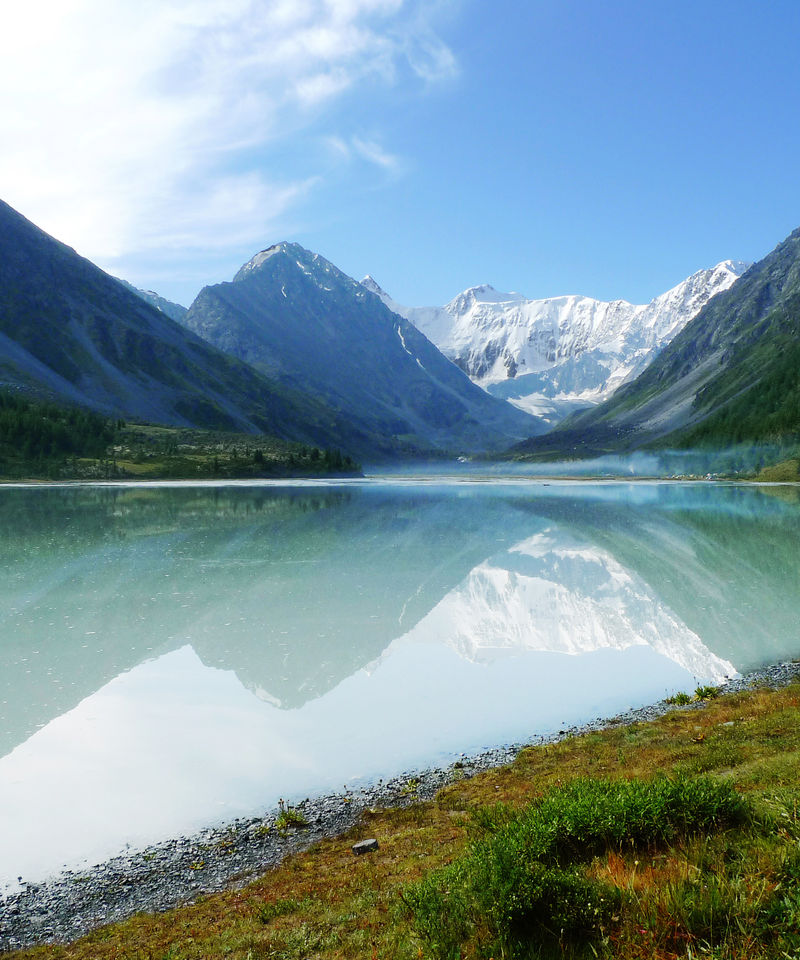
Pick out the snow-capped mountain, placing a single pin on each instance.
(294, 316)
(553, 355)
(730, 376)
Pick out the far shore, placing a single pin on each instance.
(328, 479)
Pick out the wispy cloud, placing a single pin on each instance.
(144, 125)
(372, 151)
(369, 149)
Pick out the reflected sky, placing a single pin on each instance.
(172, 658)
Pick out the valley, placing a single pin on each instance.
(554, 356)
(187, 656)
(296, 351)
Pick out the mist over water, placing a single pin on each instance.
(176, 656)
(743, 459)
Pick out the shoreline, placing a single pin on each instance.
(403, 479)
(179, 871)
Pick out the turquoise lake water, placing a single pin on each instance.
(175, 656)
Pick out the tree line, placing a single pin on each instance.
(36, 431)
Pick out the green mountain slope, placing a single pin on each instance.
(732, 375)
(70, 333)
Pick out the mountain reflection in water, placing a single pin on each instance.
(189, 655)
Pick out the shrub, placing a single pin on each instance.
(589, 816)
(679, 699)
(289, 817)
(520, 884)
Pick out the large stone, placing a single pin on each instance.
(365, 846)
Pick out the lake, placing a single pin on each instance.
(175, 656)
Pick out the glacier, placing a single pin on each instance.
(558, 354)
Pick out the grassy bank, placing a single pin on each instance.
(674, 838)
(40, 441)
(157, 453)
(787, 471)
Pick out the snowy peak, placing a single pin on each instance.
(570, 350)
(291, 258)
(480, 295)
(370, 284)
(669, 313)
(736, 267)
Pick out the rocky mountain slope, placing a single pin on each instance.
(72, 334)
(175, 311)
(555, 355)
(298, 319)
(731, 375)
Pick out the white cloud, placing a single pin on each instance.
(135, 125)
(321, 86)
(363, 148)
(431, 59)
(372, 151)
(338, 147)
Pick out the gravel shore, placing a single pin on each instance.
(179, 871)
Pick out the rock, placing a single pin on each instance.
(365, 846)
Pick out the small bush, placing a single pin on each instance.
(289, 817)
(706, 693)
(679, 699)
(520, 883)
(590, 816)
(505, 902)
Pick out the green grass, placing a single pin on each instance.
(787, 471)
(521, 886)
(279, 908)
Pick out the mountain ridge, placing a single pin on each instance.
(175, 311)
(552, 355)
(731, 375)
(71, 333)
(295, 316)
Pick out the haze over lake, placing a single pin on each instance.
(175, 656)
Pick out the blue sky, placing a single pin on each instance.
(547, 146)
